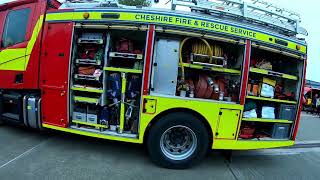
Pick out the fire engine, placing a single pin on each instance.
(225, 74)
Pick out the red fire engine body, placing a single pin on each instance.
(38, 42)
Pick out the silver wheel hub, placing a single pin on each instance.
(178, 142)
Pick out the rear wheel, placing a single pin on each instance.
(178, 141)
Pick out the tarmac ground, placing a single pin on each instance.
(30, 155)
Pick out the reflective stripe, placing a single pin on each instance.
(12, 59)
(176, 20)
(93, 134)
(249, 144)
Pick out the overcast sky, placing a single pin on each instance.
(309, 10)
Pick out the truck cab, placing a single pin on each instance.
(21, 29)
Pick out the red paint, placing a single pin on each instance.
(245, 74)
(54, 4)
(15, 4)
(149, 54)
(31, 75)
(3, 15)
(301, 101)
(54, 72)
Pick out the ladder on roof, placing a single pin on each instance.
(254, 11)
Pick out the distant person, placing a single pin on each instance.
(314, 103)
(318, 105)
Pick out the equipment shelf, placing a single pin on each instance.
(90, 41)
(86, 77)
(272, 100)
(136, 71)
(267, 120)
(126, 55)
(207, 56)
(89, 124)
(217, 69)
(272, 73)
(86, 89)
(86, 100)
(88, 62)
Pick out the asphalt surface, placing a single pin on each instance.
(26, 154)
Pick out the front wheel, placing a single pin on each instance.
(178, 141)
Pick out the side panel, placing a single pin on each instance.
(209, 110)
(165, 66)
(228, 124)
(54, 72)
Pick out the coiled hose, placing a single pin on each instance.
(180, 54)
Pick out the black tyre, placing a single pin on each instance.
(178, 141)
(1, 122)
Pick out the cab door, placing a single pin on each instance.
(20, 26)
(15, 35)
(2, 18)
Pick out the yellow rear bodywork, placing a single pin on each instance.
(227, 128)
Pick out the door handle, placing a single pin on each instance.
(53, 87)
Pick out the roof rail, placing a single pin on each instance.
(254, 11)
(89, 3)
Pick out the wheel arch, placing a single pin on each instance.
(185, 110)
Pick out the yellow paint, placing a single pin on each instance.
(150, 106)
(86, 99)
(123, 70)
(272, 100)
(228, 124)
(249, 144)
(18, 59)
(267, 120)
(61, 16)
(122, 106)
(209, 109)
(217, 69)
(12, 62)
(177, 21)
(91, 134)
(266, 72)
(300, 57)
(87, 90)
(89, 124)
